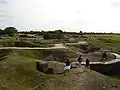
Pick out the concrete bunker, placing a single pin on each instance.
(50, 67)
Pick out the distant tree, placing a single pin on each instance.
(81, 32)
(2, 32)
(42, 33)
(46, 36)
(10, 31)
(59, 31)
(31, 32)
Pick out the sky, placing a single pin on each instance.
(67, 15)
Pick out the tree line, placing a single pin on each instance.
(10, 31)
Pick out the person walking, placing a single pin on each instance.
(80, 60)
(87, 65)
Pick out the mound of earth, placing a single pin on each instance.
(77, 79)
(87, 48)
(60, 56)
(19, 73)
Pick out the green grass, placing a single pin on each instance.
(111, 42)
(18, 72)
(42, 54)
(14, 43)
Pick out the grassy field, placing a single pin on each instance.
(42, 54)
(18, 72)
(111, 42)
(18, 43)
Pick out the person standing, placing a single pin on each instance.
(87, 65)
(80, 59)
(68, 66)
(104, 56)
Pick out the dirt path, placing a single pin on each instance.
(57, 46)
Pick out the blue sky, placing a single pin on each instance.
(68, 15)
(3, 1)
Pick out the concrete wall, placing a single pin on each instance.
(110, 67)
(113, 68)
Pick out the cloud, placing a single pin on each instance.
(116, 4)
(4, 16)
(90, 15)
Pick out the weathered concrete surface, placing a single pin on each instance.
(50, 67)
(110, 67)
(80, 42)
(113, 68)
(42, 66)
(117, 55)
(56, 66)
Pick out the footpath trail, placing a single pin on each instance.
(117, 59)
(78, 52)
(80, 42)
(56, 46)
(70, 48)
(75, 49)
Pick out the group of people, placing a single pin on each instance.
(80, 59)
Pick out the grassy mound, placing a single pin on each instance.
(14, 43)
(4, 53)
(42, 54)
(111, 42)
(18, 72)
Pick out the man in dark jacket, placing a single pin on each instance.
(80, 59)
(87, 65)
(104, 56)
